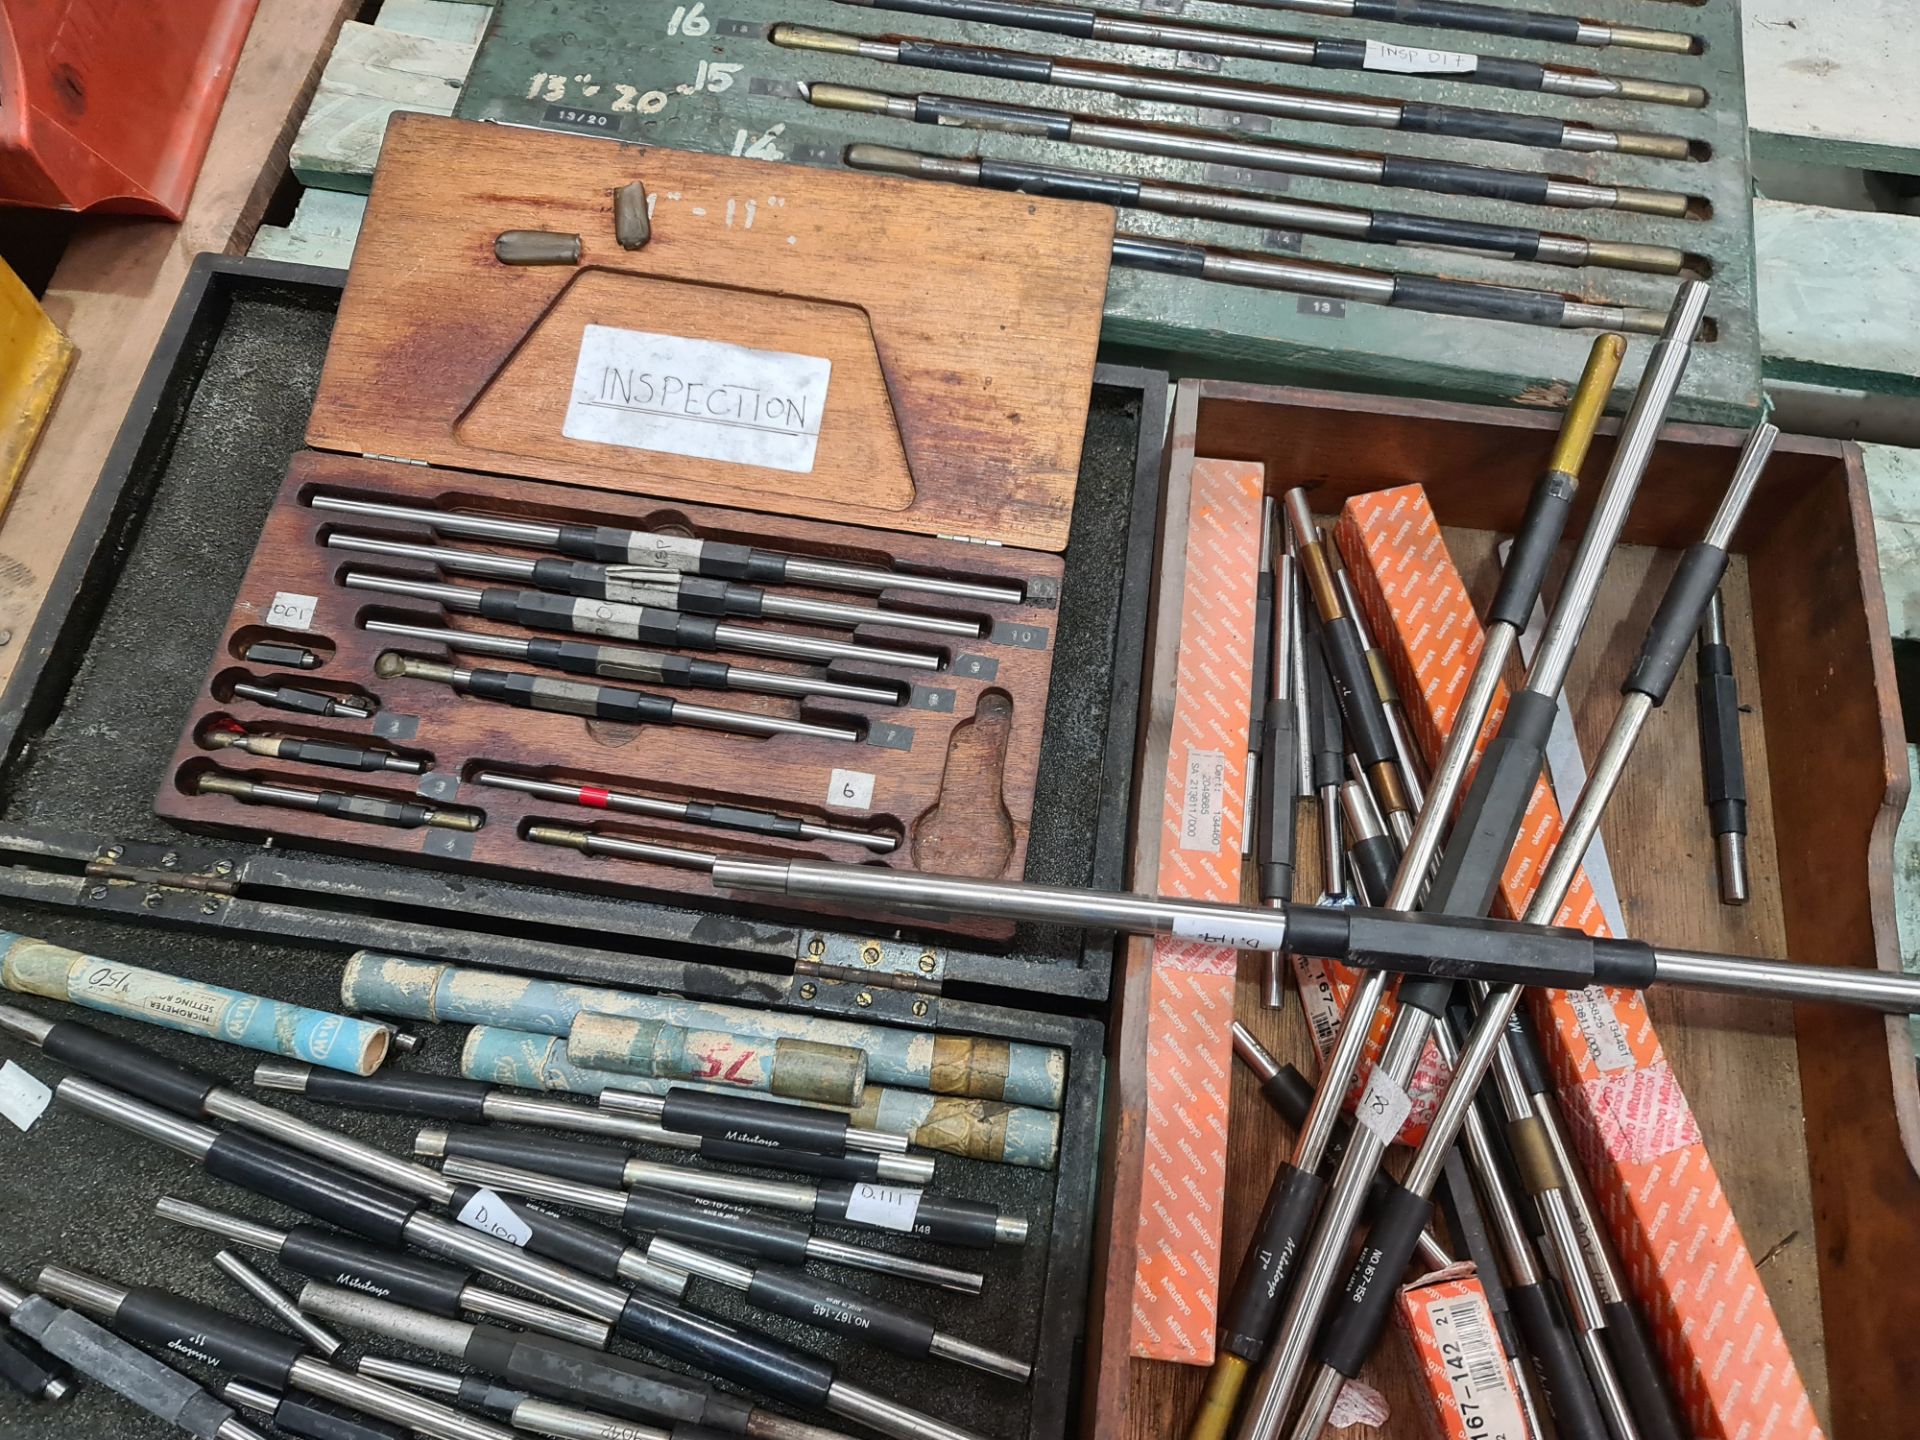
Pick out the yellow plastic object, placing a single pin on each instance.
(34, 357)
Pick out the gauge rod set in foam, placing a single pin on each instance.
(580, 1266)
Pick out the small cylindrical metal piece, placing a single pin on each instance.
(278, 1303)
(632, 215)
(536, 247)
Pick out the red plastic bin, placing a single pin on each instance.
(108, 105)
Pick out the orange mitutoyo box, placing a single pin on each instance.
(1448, 1323)
(1176, 1277)
(1682, 1249)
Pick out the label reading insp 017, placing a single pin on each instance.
(1417, 60)
(704, 399)
(889, 1207)
(292, 612)
(850, 790)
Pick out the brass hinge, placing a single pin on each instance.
(165, 879)
(877, 979)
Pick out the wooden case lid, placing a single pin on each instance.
(960, 327)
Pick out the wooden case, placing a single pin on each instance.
(959, 330)
(1810, 1113)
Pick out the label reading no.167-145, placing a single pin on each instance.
(701, 398)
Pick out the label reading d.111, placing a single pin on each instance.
(704, 399)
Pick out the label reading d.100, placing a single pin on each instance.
(489, 1214)
(704, 399)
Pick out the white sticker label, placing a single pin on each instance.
(888, 1206)
(23, 1099)
(850, 790)
(1384, 1106)
(1606, 1037)
(1203, 809)
(1475, 1368)
(489, 1214)
(292, 612)
(1417, 60)
(1317, 1002)
(700, 398)
(1239, 931)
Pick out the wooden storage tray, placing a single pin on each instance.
(1811, 1113)
(952, 771)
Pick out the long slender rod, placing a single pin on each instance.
(1395, 171)
(613, 545)
(1490, 20)
(1400, 943)
(1160, 33)
(543, 610)
(1310, 106)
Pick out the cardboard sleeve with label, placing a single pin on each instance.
(1682, 1251)
(1176, 1279)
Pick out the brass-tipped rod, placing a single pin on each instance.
(1160, 33)
(1308, 106)
(529, 691)
(1496, 20)
(1213, 147)
(1229, 206)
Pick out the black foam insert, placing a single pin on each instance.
(77, 1192)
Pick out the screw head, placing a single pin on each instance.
(209, 906)
(113, 852)
(170, 859)
(927, 962)
(920, 1008)
(809, 990)
(863, 999)
(98, 892)
(223, 867)
(152, 900)
(870, 953)
(817, 946)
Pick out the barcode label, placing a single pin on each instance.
(1475, 1368)
(1317, 1002)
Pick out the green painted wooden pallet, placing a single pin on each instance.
(629, 68)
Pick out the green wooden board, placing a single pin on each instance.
(628, 68)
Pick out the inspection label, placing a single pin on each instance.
(705, 399)
(1417, 60)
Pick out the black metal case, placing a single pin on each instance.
(89, 720)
